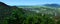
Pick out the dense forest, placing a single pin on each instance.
(29, 14)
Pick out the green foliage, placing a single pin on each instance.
(21, 16)
(18, 17)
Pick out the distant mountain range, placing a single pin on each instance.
(52, 5)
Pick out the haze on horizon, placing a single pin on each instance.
(30, 2)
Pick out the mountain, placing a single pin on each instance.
(4, 9)
(3, 4)
(52, 5)
(6, 12)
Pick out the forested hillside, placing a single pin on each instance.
(28, 15)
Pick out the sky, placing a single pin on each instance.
(29, 2)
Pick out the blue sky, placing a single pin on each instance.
(30, 2)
